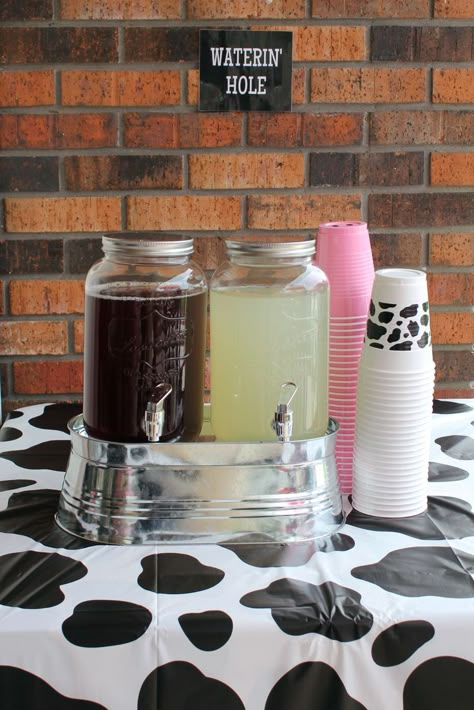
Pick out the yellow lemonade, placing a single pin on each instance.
(260, 339)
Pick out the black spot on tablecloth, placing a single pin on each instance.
(52, 455)
(13, 415)
(457, 446)
(173, 573)
(258, 553)
(9, 433)
(445, 517)
(181, 686)
(207, 630)
(400, 641)
(21, 690)
(445, 406)
(440, 683)
(33, 580)
(310, 686)
(415, 572)
(56, 416)
(31, 513)
(105, 622)
(12, 484)
(442, 472)
(301, 608)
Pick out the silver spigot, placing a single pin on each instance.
(283, 418)
(154, 419)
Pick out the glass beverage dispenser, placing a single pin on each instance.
(269, 310)
(144, 350)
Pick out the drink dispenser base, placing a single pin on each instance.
(200, 492)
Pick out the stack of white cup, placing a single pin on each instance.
(394, 399)
(344, 254)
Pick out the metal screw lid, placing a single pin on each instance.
(272, 249)
(145, 245)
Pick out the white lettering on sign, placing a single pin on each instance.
(245, 56)
(245, 84)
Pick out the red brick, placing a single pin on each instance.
(326, 129)
(199, 130)
(240, 171)
(452, 169)
(48, 376)
(453, 365)
(368, 84)
(300, 211)
(32, 256)
(453, 86)
(35, 297)
(452, 327)
(119, 9)
(421, 44)
(26, 174)
(245, 9)
(184, 212)
(371, 8)
(397, 249)
(27, 88)
(84, 130)
(454, 9)
(274, 129)
(421, 209)
(26, 10)
(62, 214)
(150, 130)
(452, 249)
(33, 337)
(418, 127)
(326, 43)
(451, 289)
(79, 336)
(161, 44)
(188, 130)
(123, 172)
(366, 169)
(120, 88)
(46, 45)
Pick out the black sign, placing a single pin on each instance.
(241, 70)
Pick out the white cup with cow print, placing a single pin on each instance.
(394, 398)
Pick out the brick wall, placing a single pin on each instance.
(99, 131)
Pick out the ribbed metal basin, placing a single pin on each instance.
(200, 492)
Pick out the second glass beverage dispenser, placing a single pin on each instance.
(269, 314)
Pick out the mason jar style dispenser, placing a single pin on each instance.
(269, 316)
(144, 349)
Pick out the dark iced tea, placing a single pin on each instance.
(133, 342)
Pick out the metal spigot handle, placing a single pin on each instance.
(283, 417)
(154, 419)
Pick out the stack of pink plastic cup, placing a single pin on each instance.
(344, 254)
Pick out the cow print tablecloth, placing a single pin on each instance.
(378, 616)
